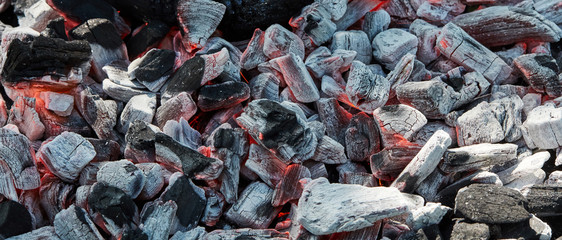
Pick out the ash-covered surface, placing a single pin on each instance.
(270, 119)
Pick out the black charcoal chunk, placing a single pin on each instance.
(153, 68)
(491, 204)
(147, 10)
(222, 95)
(55, 29)
(82, 10)
(541, 72)
(100, 31)
(140, 135)
(278, 128)
(253, 208)
(545, 200)
(192, 163)
(190, 200)
(148, 36)
(112, 203)
(14, 219)
(43, 56)
(187, 78)
(242, 17)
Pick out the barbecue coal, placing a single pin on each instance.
(44, 56)
(506, 205)
(14, 219)
(324, 119)
(242, 17)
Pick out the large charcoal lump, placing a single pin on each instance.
(242, 17)
(43, 56)
(491, 204)
(280, 129)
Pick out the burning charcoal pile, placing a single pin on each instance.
(270, 119)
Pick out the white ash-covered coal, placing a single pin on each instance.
(280, 119)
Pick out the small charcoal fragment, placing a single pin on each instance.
(463, 230)
(187, 78)
(313, 25)
(17, 158)
(140, 107)
(222, 95)
(357, 41)
(115, 207)
(375, 22)
(541, 72)
(401, 119)
(366, 90)
(154, 68)
(180, 106)
(389, 163)
(124, 175)
(74, 223)
(253, 208)
(191, 162)
(391, 45)
(423, 163)
(545, 200)
(157, 219)
(189, 198)
(276, 127)
(278, 42)
(477, 156)
(542, 127)
(265, 164)
(182, 132)
(99, 113)
(289, 187)
(24, 115)
(297, 78)
(154, 175)
(362, 137)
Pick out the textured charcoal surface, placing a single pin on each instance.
(491, 204)
(280, 119)
(99, 31)
(43, 56)
(188, 77)
(192, 161)
(112, 203)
